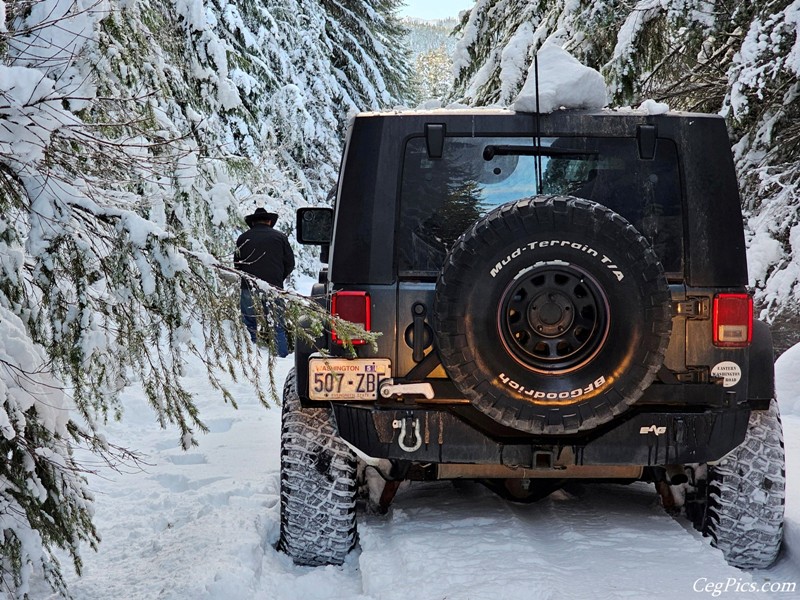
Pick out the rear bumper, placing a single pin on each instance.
(442, 436)
(670, 424)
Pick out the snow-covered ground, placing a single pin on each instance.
(202, 525)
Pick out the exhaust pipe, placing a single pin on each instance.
(676, 474)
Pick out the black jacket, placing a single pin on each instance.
(264, 252)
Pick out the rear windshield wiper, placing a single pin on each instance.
(489, 152)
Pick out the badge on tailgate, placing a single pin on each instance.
(346, 378)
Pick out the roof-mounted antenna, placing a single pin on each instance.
(538, 125)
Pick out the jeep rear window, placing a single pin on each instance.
(441, 198)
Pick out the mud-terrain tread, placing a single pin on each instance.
(459, 358)
(318, 485)
(746, 495)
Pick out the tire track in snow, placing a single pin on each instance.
(179, 531)
(608, 541)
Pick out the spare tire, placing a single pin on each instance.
(552, 314)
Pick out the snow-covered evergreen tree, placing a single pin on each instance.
(762, 104)
(368, 53)
(426, 34)
(432, 71)
(498, 39)
(432, 47)
(134, 136)
(741, 59)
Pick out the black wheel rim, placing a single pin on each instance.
(553, 318)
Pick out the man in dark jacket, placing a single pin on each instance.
(263, 252)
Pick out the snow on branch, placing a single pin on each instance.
(133, 135)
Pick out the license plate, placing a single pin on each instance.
(346, 378)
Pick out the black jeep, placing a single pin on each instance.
(560, 296)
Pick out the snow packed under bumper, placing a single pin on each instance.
(650, 434)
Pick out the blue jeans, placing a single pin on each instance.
(275, 319)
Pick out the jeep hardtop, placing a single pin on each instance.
(559, 296)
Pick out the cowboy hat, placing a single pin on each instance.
(261, 215)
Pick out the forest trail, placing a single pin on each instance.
(202, 525)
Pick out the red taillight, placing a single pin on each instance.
(733, 320)
(353, 307)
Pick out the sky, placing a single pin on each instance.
(434, 9)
